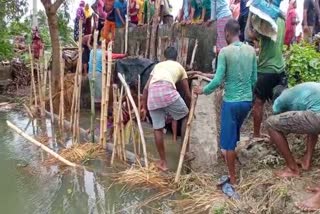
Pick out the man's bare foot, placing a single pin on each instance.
(162, 165)
(287, 173)
(313, 189)
(310, 205)
(304, 163)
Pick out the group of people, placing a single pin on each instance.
(248, 84)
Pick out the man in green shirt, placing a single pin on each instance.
(237, 66)
(271, 71)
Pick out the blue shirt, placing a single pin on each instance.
(122, 6)
(244, 10)
(302, 97)
(98, 61)
(219, 9)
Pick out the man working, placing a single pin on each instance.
(237, 65)
(270, 71)
(98, 72)
(311, 10)
(298, 111)
(161, 97)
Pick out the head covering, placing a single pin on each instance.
(82, 3)
(87, 11)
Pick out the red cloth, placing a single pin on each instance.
(290, 25)
(133, 9)
(118, 56)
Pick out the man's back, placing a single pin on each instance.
(170, 71)
(302, 97)
(240, 76)
(271, 59)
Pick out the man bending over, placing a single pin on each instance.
(161, 98)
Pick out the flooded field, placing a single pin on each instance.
(27, 186)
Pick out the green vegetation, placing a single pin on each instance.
(11, 25)
(303, 64)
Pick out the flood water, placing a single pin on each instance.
(27, 186)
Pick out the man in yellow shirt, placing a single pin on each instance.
(161, 98)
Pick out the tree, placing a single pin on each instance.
(51, 9)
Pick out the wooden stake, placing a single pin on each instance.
(115, 113)
(193, 54)
(187, 135)
(40, 77)
(146, 55)
(37, 143)
(137, 116)
(33, 82)
(103, 97)
(131, 124)
(50, 95)
(139, 106)
(122, 128)
(61, 110)
(28, 111)
(92, 86)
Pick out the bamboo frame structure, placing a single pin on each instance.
(61, 109)
(146, 54)
(138, 118)
(139, 106)
(187, 134)
(122, 143)
(92, 86)
(50, 95)
(40, 87)
(37, 143)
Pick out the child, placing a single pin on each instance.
(109, 24)
(237, 66)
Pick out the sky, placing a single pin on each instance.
(176, 4)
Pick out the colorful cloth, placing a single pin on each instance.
(169, 71)
(146, 8)
(291, 25)
(98, 61)
(120, 5)
(237, 66)
(302, 97)
(161, 94)
(235, 9)
(134, 9)
(101, 13)
(221, 38)
(271, 58)
(140, 12)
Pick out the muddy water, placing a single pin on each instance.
(26, 186)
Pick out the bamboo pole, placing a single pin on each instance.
(193, 54)
(102, 138)
(137, 116)
(107, 97)
(61, 110)
(131, 125)
(187, 135)
(45, 80)
(37, 143)
(40, 77)
(33, 82)
(92, 85)
(50, 96)
(118, 136)
(139, 106)
(127, 28)
(77, 91)
(114, 122)
(28, 111)
(123, 148)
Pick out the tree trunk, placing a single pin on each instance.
(55, 44)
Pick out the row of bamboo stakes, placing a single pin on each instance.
(39, 93)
